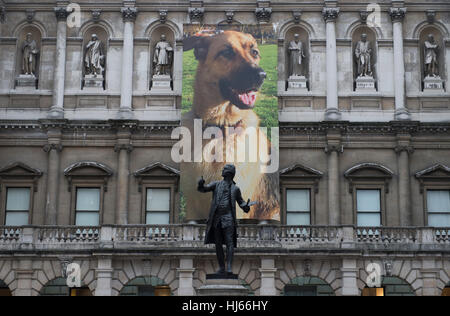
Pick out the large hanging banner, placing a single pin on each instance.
(230, 115)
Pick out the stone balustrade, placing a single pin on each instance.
(270, 237)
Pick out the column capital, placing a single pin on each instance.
(401, 148)
(49, 147)
(397, 14)
(61, 13)
(338, 148)
(2, 14)
(129, 14)
(330, 14)
(119, 147)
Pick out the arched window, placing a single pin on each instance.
(146, 286)
(308, 286)
(58, 287)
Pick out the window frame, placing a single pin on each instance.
(312, 206)
(86, 184)
(157, 185)
(74, 194)
(382, 211)
(432, 187)
(19, 184)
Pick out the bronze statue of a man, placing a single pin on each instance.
(222, 225)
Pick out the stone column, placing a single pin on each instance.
(268, 272)
(349, 277)
(185, 277)
(24, 277)
(403, 150)
(333, 149)
(124, 148)
(57, 109)
(126, 101)
(104, 273)
(53, 148)
(332, 113)
(401, 112)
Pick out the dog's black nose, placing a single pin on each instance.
(262, 75)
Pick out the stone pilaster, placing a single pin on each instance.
(124, 148)
(333, 149)
(104, 274)
(53, 148)
(268, 272)
(349, 277)
(397, 16)
(330, 15)
(185, 277)
(429, 274)
(57, 109)
(403, 150)
(129, 15)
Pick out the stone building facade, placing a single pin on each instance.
(61, 131)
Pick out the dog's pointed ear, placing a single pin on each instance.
(200, 44)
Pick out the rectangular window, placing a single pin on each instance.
(158, 207)
(298, 207)
(368, 206)
(87, 207)
(438, 206)
(17, 206)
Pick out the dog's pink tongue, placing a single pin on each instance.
(248, 98)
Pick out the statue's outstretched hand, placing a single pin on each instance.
(246, 208)
(201, 182)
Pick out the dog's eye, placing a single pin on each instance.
(255, 53)
(228, 53)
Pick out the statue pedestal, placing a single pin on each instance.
(26, 82)
(222, 285)
(93, 82)
(297, 84)
(161, 83)
(433, 85)
(365, 84)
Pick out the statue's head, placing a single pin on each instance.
(29, 37)
(229, 171)
(94, 37)
(364, 37)
(163, 37)
(431, 37)
(296, 37)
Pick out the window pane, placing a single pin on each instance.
(160, 218)
(298, 200)
(18, 199)
(438, 201)
(368, 200)
(87, 219)
(158, 199)
(16, 219)
(439, 220)
(301, 219)
(365, 220)
(88, 199)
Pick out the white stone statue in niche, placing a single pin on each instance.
(432, 81)
(94, 57)
(94, 63)
(363, 53)
(162, 63)
(30, 53)
(297, 81)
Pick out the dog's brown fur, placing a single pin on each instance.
(215, 110)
